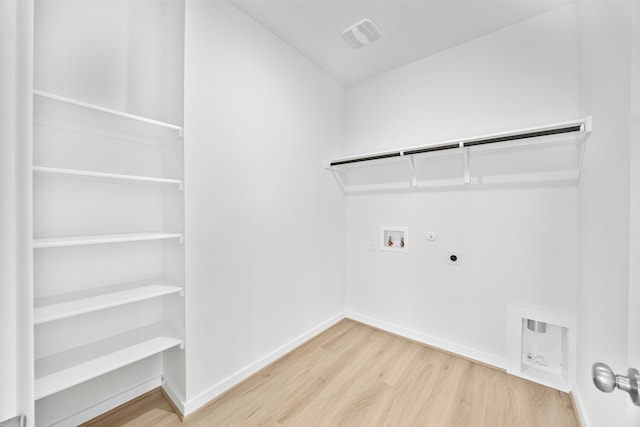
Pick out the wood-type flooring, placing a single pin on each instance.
(356, 375)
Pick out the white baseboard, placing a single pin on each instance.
(578, 404)
(178, 401)
(429, 340)
(109, 404)
(224, 385)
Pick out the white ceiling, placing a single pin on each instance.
(411, 29)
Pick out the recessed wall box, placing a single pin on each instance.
(544, 354)
(542, 347)
(394, 239)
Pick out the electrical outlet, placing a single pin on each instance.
(453, 258)
(372, 245)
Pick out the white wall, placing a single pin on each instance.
(522, 76)
(519, 244)
(264, 221)
(605, 77)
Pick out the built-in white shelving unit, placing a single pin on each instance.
(107, 206)
(537, 154)
(98, 170)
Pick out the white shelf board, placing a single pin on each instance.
(62, 310)
(105, 110)
(69, 368)
(45, 170)
(57, 242)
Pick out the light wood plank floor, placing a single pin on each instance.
(355, 375)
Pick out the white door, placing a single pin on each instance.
(634, 243)
(632, 320)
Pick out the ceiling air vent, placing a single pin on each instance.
(361, 33)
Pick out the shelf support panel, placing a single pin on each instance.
(414, 171)
(467, 172)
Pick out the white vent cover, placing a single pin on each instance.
(361, 33)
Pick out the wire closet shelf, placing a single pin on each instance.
(575, 132)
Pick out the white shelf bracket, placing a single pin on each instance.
(588, 124)
(182, 239)
(181, 186)
(182, 292)
(336, 175)
(582, 143)
(467, 172)
(414, 171)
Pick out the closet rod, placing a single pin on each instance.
(367, 158)
(525, 135)
(470, 143)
